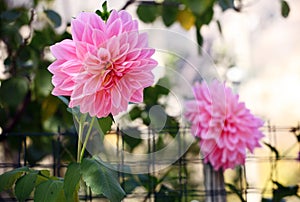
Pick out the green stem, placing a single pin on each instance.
(81, 122)
(86, 138)
(80, 130)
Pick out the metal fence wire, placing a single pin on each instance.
(182, 181)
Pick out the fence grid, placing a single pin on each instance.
(184, 186)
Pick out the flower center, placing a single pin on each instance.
(101, 64)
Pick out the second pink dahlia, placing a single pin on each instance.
(224, 126)
(105, 66)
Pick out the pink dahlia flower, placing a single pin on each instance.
(225, 127)
(105, 66)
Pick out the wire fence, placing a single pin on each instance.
(183, 180)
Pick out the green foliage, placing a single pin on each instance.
(285, 8)
(54, 17)
(169, 12)
(101, 179)
(49, 188)
(20, 88)
(105, 124)
(25, 185)
(71, 183)
(226, 4)
(50, 191)
(148, 13)
(104, 14)
(9, 178)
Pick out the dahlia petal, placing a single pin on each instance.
(77, 29)
(137, 96)
(64, 50)
(96, 22)
(143, 40)
(219, 119)
(100, 68)
(92, 85)
(124, 16)
(132, 39)
(71, 67)
(99, 37)
(113, 47)
(58, 91)
(114, 29)
(112, 17)
(87, 35)
(115, 97)
(55, 66)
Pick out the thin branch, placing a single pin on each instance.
(128, 3)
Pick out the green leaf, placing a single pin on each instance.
(54, 17)
(226, 4)
(42, 81)
(101, 179)
(50, 191)
(199, 7)
(9, 178)
(273, 149)
(283, 191)
(285, 8)
(169, 13)
(43, 176)
(71, 182)
(10, 16)
(45, 173)
(19, 86)
(105, 124)
(25, 185)
(104, 14)
(148, 181)
(135, 113)
(130, 185)
(147, 13)
(64, 100)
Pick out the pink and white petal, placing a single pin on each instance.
(99, 37)
(137, 96)
(113, 45)
(114, 29)
(56, 66)
(116, 97)
(77, 29)
(64, 50)
(92, 85)
(87, 35)
(142, 40)
(72, 67)
(96, 22)
(58, 91)
(112, 17)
